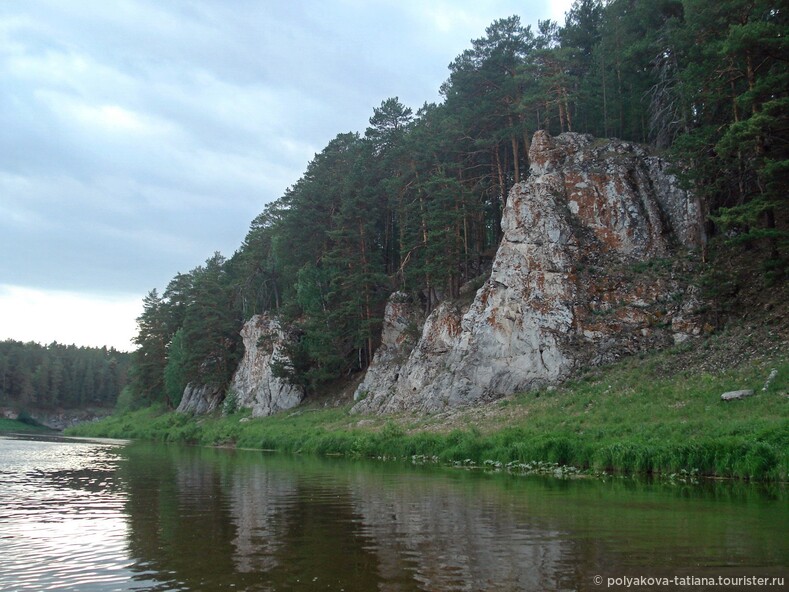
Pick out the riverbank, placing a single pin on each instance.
(51, 419)
(8, 426)
(657, 414)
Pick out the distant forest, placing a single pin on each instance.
(414, 203)
(34, 376)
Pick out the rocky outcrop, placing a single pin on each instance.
(200, 399)
(582, 276)
(254, 382)
(57, 419)
(402, 324)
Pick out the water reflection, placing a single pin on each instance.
(62, 521)
(265, 522)
(109, 516)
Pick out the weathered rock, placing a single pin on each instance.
(565, 289)
(734, 395)
(254, 382)
(401, 325)
(59, 419)
(200, 399)
(773, 374)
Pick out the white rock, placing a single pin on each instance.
(734, 395)
(254, 382)
(531, 323)
(200, 399)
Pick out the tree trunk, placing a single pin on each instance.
(515, 156)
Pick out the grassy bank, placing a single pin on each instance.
(639, 416)
(16, 426)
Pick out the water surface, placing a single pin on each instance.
(111, 515)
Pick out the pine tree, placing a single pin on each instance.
(735, 67)
(150, 358)
(175, 372)
(210, 326)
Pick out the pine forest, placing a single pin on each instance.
(413, 203)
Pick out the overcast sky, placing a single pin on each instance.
(137, 137)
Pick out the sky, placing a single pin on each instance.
(138, 137)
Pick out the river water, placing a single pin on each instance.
(102, 515)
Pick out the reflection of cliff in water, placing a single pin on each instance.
(206, 519)
(455, 536)
(392, 531)
(257, 499)
(195, 514)
(203, 519)
(296, 523)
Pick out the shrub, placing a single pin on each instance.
(230, 404)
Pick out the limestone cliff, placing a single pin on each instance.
(254, 382)
(565, 289)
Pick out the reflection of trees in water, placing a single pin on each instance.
(457, 536)
(178, 522)
(298, 527)
(203, 519)
(203, 516)
(208, 518)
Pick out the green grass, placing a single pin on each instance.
(636, 417)
(13, 425)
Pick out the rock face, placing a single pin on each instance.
(402, 324)
(581, 277)
(200, 399)
(254, 382)
(59, 419)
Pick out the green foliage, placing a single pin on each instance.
(38, 376)
(188, 335)
(737, 138)
(150, 358)
(629, 418)
(175, 372)
(26, 418)
(126, 401)
(16, 426)
(415, 203)
(210, 340)
(230, 403)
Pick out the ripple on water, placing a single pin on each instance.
(61, 517)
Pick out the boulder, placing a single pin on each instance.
(735, 395)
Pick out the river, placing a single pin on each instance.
(100, 515)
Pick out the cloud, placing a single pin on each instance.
(141, 136)
(45, 316)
